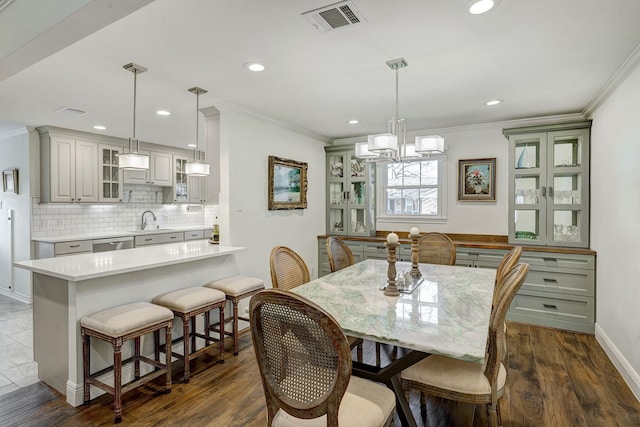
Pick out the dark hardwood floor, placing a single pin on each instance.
(555, 379)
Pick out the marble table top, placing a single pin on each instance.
(448, 314)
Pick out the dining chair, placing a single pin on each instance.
(508, 262)
(340, 256)
(436, 248)
(470, 382)
(305, 365)
(289, 270)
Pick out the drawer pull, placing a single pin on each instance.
(148, 240)
(380, 247)
(553, 306)
(74, 246)
(173, 237)
(550, 259)
(547, 280)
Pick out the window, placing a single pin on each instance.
(413, 189)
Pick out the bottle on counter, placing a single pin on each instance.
(215, 234)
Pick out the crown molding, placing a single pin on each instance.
(620, 75)
(14, 133)
(533, 121)
(232, 106)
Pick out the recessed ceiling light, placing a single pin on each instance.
(163, 113)
(192, 145)
(99, 127)
(254, 66)
(353, 122)
(477, 7)
(493, 102)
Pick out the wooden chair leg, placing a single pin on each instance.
(136, 358)
(167, 387)
(193, 337)
(187, 350)
(359, 352)
(207, 332)
(235, 327)
(378, 350)
(117, 380)
(492, 415)
(221, 310)
(86, 363)
(156, 346)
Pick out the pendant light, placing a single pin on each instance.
(134, 160)
(196, 167)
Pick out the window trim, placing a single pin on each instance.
(381, 181)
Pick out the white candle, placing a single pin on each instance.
(392, 238)
(414, 232)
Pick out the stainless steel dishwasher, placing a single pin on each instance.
(112, 244)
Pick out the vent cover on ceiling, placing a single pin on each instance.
(342, 14)
(76, 112)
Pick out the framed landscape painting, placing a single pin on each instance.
(287, 184)
(477, 180)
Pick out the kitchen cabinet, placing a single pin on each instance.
(69, 170)
(57, 249)
(110, 186)
(197, 186)
(549, 185)
(158, 238)
(160, 171)
(178, 192)
(350, 196)
(356, 247)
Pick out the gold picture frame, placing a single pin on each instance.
(10, 181)
(287, 184)
(477, 180)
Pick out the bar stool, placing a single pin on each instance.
(236, 288)
(186, 304)
(117, 325)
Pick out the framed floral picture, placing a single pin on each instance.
(477, 180)
(287, 184)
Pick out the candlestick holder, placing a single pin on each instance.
(391, 290)
(415, 257)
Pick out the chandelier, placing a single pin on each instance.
(392, 145)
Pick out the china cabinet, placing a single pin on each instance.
(110, 186)
(350, 193)
(549, 184)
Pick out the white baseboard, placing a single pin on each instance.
(16, 296)
(629, 375)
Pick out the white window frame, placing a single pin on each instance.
(381, 201)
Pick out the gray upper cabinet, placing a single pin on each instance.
(549, 185)
(350, 194)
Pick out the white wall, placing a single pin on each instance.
(246, 142)
(15, 151)
(615, 226)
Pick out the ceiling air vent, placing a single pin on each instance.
(342, 14)
(76, 112)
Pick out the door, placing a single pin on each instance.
(86, 162)
(110, 186)
(160, 169)
(6, 249)
(131, 176)
(197, 189)
(63, 177)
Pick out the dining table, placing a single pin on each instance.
(447, 313)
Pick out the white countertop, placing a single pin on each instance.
(108, 234)
(90, 266)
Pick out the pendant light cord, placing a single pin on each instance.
(197, 149)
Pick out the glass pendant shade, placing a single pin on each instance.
(429, 144)
(133, 161)
(362, 151)
(197, 169)
(383, 143)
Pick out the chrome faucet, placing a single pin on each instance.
(143, 225)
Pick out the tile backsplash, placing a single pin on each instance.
(58, 219)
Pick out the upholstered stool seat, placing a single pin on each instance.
(186, 304)
(117, 325)
(236, 288)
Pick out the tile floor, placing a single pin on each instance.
(17, 368)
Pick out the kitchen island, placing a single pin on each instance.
(67, 288)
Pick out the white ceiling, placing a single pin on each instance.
(543, 57)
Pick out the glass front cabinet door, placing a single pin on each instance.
(350, 194)
(549, 185)
(110, 183)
